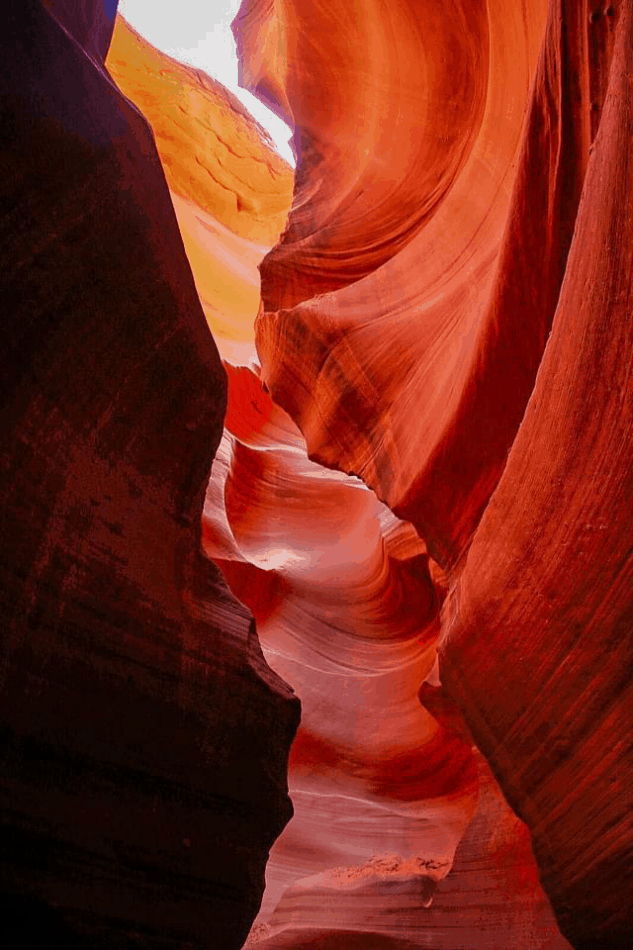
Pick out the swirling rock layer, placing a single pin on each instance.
(566, 553)
(449, 321)
(490, 899)
(144, 739)
(347, 600)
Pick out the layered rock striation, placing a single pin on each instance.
(347, 603)
(400, 835)
(467, 356)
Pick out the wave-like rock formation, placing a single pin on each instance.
(447, 317)
(491, 898)
(144, 738)
(398, 828)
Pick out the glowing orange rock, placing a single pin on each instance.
(470, 365)
(347, 613)
(388, 99)
(230, 189)
(214, 153)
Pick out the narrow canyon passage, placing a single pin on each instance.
(367, 685)
(346, 599)
(346, 610)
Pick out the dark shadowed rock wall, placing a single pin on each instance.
(144, 739)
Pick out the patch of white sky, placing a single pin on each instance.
(198, 32)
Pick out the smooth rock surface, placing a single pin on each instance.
(558, 729)
(490, 899)
(472, 366)
(384, 789)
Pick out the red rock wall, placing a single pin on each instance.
(490, 899)
(144, 738)
(397, 829)
(462, 343)
(557, 534)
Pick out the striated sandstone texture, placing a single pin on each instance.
(491, 899)
(144, 738)
(347, 606)
(400, 834)
(447, 317)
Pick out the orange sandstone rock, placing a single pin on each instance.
(214, 153)
(230, 188)
(548, 582)
(471, 365)
(446, 316)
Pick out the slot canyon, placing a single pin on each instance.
(317, 484)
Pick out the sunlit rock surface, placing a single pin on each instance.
(214, 153)
(447, 317)
(231, 190)
(144, 738)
